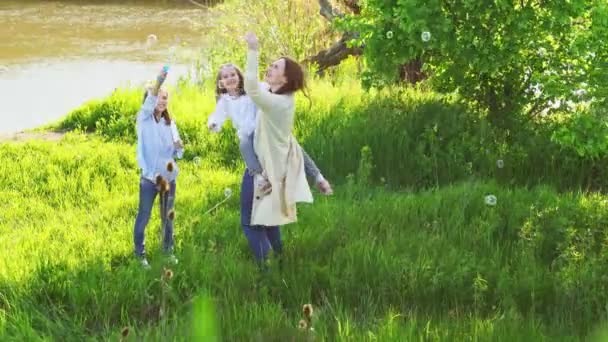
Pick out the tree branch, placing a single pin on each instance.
(336, 53)
(339, 50)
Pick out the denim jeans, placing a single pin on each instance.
(261, 238)
(147, 195)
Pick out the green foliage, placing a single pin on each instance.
(437, 263)
(585, 134)
(493, 52)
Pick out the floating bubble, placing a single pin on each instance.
(197, 161)
(490, 200)
(425, 36)
(151, 40)
(500, 163)
(389, 34)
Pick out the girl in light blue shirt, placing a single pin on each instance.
(158, 144)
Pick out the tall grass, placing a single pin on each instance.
(406, 249)
(376, 264)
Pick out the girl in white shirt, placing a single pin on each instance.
(234, 104)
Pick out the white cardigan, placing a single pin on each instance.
(278, 152)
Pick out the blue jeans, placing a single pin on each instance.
(147, 195)
(261, 238)
(248, 153)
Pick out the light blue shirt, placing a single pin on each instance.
(155, 140)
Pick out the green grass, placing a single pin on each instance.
(376, 264)
(406, 249)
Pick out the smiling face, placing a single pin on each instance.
(162, 101)
(275, 74)
(229, 80)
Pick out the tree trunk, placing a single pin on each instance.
(411, 72)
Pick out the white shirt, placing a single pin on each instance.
(241, 110)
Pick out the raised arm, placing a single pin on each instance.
(258, 93)
(147, 109)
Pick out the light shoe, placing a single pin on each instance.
(144, 263)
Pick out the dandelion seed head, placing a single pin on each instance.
(227, 192)
(164, 185)
(168, 273)
(302, 325)
(389, 34)
(197, 161)
(500, 163)
(307, 308)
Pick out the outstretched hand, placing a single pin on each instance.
(252, 41)
(325, 188)
(160, 79)
(162, 76)
(178, 144)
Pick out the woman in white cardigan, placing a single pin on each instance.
(277, 150)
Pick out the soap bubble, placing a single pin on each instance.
(151, 40)
(425, 36)
(490, 200)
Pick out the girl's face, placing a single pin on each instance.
(229, 79)
(162, 101)
(275, 74)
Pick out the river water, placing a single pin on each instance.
(55, 55)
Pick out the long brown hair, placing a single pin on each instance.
(219, 91)
(165, 114)
(296, 79)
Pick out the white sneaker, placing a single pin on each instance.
(144, 263)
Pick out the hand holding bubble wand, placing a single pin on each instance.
(160, 79)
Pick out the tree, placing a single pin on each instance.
(503, 56)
